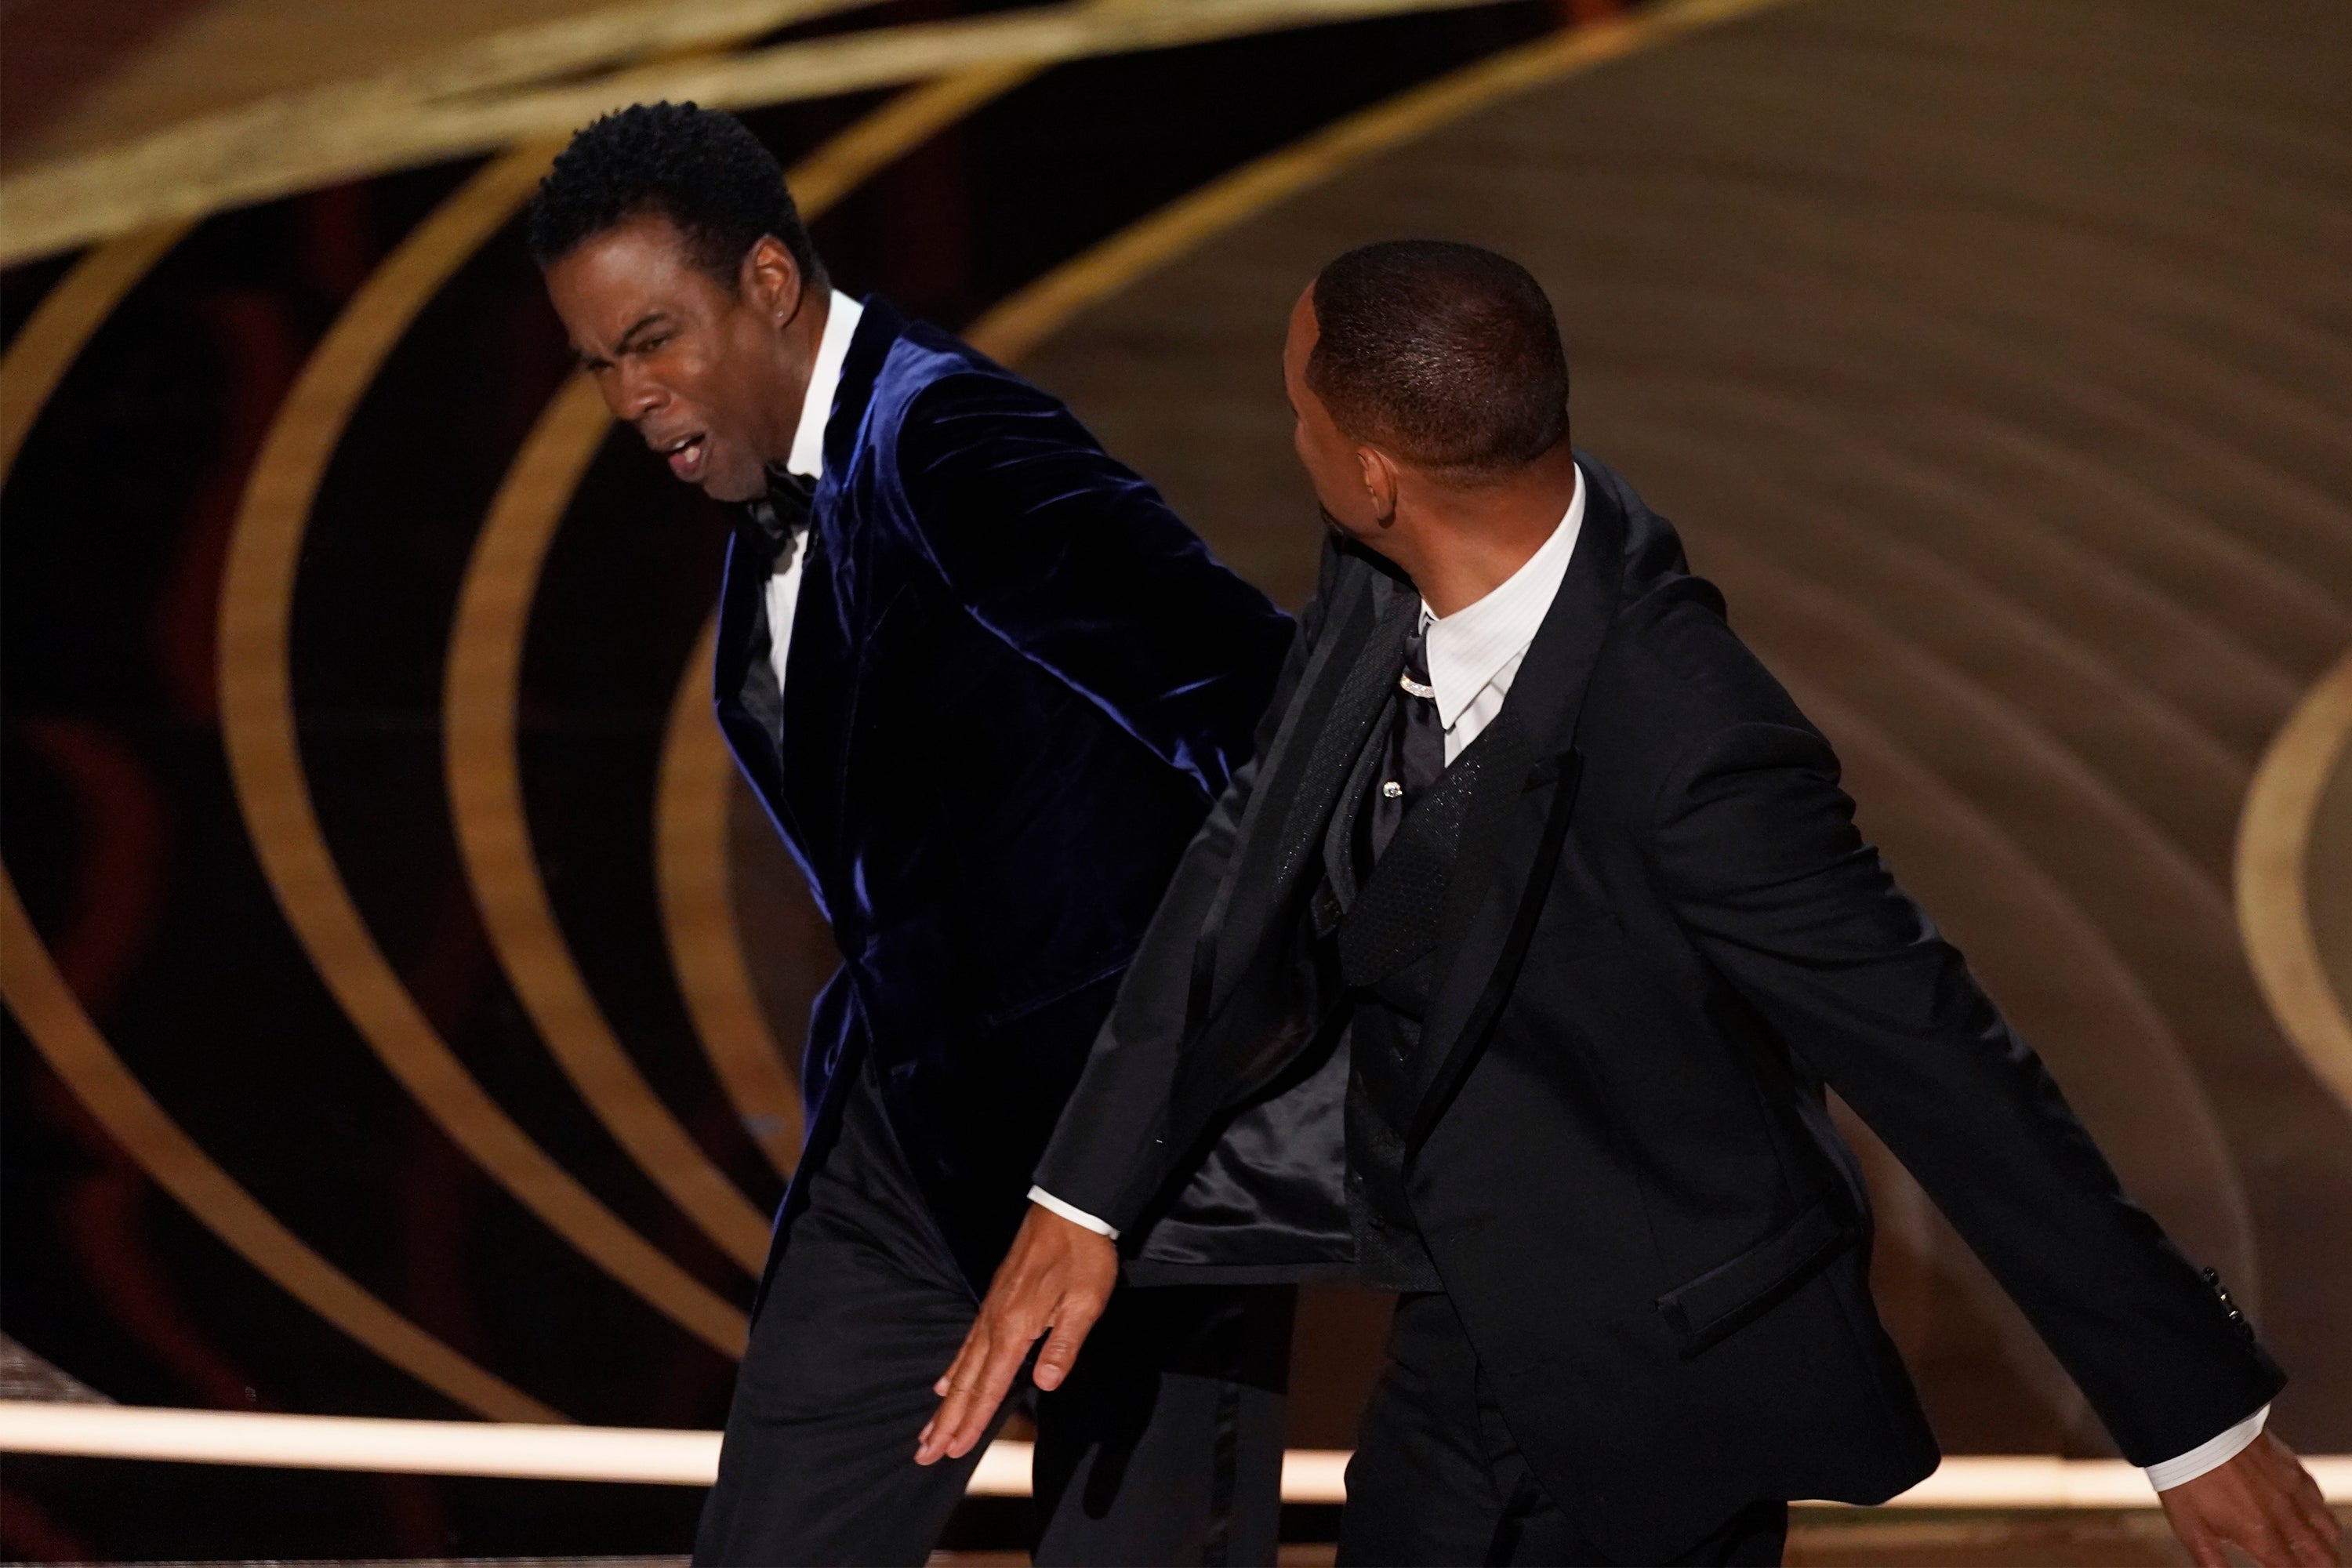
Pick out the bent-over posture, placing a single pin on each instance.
(987, 686)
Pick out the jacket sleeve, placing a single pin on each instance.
(1757, 850)
(1110, 1151)
(1080, 566)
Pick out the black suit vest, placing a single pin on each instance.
(1385, 945)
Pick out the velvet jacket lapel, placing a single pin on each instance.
(1518, 821)
(800, 769)
(820, 676)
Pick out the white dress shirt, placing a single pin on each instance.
(1473, 655)
(807, 459)
(1476, 652)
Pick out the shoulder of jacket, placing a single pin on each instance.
(1675, 671)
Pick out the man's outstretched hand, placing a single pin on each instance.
(2263, 1502)
(1058, 1275)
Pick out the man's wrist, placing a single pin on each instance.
(1076, 1215)
(2211, 1455)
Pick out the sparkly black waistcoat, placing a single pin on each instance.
(1382, 920)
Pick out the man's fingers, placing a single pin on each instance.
(2292, 1520)
(1031, 1292)
(2308, 1551)
(932, 1445)
(2312, 1503)
(2265, 1545)
(2203, 1546)
(973, 1350)
(1073, 1320)
(2188, 1521)
(2320, 1536)
(995, 1381)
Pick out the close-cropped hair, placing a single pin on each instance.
(1445, 355)
(701, 169)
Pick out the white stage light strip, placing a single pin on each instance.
(659, 1456)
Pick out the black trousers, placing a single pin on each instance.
(1165, 1447)
(1437, 1478)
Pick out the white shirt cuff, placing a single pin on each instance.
(2209, 1455)
(1048, 1202)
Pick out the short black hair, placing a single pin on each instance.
(1445, 354)
(701, 169)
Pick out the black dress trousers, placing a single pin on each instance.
(1165, 1446)
(1438, 1478)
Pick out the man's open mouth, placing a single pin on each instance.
(685, 456)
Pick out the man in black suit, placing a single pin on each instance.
(1514, 968)
(987, 686)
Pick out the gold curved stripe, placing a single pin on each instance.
(258, 725)
(691, 864)
(217, 162)
(295, 141)
(46, 346)
(43, 350)
(866, 147)
(2274, 837)
(69, 1042)
(1024, 321)
(690, 849)
(481, 697)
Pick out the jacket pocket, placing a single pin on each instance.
(1703, 1310)
(1038, 998)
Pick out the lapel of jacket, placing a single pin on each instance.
(1339, 695)
(743, 682)
(1518, 818)
(819, 671)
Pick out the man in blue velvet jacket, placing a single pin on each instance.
(987, 685)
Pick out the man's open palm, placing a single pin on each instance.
(1057, 1277)
(2263, 1503)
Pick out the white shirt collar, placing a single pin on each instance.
(1469, 648)
(824, 379)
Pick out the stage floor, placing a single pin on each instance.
(1820, 1538)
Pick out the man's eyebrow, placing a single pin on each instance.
(642, 322)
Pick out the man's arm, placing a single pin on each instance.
(1077, 563)
(1757, 852)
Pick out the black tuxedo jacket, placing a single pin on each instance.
(1016, 686)
(1660, 937)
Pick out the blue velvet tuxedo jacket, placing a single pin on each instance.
(1017, 684)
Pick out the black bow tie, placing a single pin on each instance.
(767, 525)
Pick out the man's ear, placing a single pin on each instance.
(1380, 483)
(772, 278)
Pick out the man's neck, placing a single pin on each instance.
(797, 345)
(1462, 543)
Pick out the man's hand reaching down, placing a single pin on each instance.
(1056, 1279)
